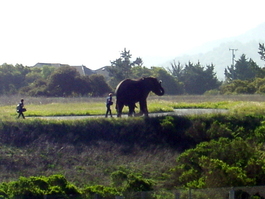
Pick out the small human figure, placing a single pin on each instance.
(108, 104)
(21, 109)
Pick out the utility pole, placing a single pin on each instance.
(233, 62)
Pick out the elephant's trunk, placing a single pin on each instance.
(162, 91)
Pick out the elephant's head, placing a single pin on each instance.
(154, 85)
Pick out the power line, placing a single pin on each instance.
(233, 61)
(233, 54)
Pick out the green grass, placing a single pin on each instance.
(216, 105)
(248, 108)
(97, 108)
(55, 109)
(247, 104)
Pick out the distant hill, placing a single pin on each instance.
(218, 53)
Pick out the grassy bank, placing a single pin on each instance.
(89, 151)
(85, 151)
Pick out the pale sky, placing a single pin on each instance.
(93, 33)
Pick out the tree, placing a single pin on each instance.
(47, 71)
(238, 87)
(12, 78)
(171, 85)
(244, 69)
(33, 75)
(62, 81)
(176, 69)
(121, 68)
(220, 163)
(82, 86)
(262, 51)
(37, 88)
(196, 78)
(99, 87)
(141, 71)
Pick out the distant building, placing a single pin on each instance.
(102, 71)
(49, 64)
(83, 70)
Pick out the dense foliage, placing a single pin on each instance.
(49, 81)
(123, 68)
(245, 77)
(37, 187)
(195, 78)
(189, 78)
(215, 151)
(244, 69)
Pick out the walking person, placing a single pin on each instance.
(108, 104)
(21, 109)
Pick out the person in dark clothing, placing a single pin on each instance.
(108, 104)
(21, 109)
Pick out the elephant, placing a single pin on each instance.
(130, 91)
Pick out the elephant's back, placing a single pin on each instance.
(128, 91)
(124, 85)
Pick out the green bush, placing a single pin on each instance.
(103, 191)
(220, 163)
(37, 187)
(3, 194)
(33, 187)
(128, 181)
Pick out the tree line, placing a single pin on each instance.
(50, 81)
(191, 78)
(245, 77)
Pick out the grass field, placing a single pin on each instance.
(96, 106)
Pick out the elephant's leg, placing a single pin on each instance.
(137, 114)
(131, 110)
(140, 113)
(143, 108)
(119, 109)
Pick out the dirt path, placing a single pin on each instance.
(175, 112)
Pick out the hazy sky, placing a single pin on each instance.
(94, 32)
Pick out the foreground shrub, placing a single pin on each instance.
(103, 191)
(127, 181)
(221, 163)
(38, 187)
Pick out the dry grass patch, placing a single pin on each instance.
(84, 164)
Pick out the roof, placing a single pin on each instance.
(102, 71)
(49, 64)
(83, 70)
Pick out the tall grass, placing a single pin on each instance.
(85, 151)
